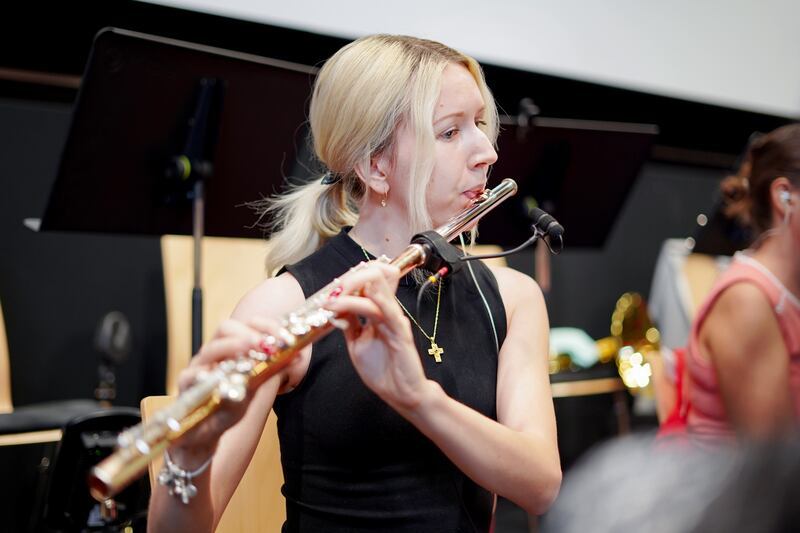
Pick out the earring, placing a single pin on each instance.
(385, 199)
(786, 200)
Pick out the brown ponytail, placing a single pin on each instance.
(770, 156)
(735, 191)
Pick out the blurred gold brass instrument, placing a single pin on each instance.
(231, 379)
(632, 341)
(633, 338)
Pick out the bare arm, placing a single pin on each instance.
(742, 339)
(516, 456)
(232, 433)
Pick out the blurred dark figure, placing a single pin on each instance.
(629, 485)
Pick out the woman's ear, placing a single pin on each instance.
(781, 193)
(374, 174)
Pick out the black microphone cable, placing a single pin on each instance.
(544, 227)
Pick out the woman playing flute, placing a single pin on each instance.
(408, 420)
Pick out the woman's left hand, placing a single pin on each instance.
(379, 336)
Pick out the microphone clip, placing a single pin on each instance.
(439, 252)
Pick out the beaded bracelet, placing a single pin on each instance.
(178, 480)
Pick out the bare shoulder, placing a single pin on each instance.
(741, 305)
(739, 321)
(517, 287)
(271, 298)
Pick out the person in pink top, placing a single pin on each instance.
(743, 358)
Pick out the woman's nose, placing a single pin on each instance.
(485, 154)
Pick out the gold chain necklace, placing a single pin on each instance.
(435, 350)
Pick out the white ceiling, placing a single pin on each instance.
(737, 53)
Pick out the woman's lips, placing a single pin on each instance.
(475, 193)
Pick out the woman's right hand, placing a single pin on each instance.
(231, 340)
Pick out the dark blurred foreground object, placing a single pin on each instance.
(28, 436)
(629, 485)
(87, 440)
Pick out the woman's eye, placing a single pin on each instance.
(449, 134)
(480, 123)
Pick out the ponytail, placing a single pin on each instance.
(304, 217)
(769, 156)
(736, 198)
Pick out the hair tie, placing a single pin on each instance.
(330, 177)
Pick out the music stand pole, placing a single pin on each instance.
(198, 228)
(191, 168)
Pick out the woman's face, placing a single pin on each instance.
(462, 153)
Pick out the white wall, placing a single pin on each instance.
(737, 53)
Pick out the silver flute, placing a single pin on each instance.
(231, 379)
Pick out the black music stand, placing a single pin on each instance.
(579, 171)
(169, 137)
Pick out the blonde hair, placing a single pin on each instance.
(361, 96)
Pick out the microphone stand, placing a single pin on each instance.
(188, 172)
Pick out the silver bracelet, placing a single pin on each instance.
(178, 480)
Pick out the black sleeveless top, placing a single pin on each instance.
(350, 462)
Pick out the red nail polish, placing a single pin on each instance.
(335, 292)
(267, 348)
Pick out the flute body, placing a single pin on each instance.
(230, 380)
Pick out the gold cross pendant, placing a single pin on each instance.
(436, 352)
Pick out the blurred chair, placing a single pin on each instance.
(5, 375)
(700, 272)
(230, 268)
